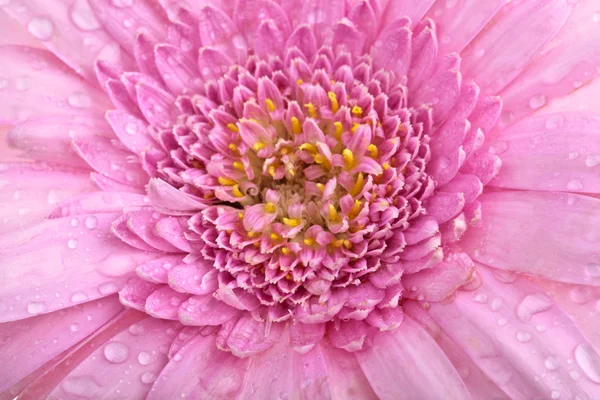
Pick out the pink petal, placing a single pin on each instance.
(131, 131)
(250, 337)
(157, 270)
(28, 344)
(59, 26)
(164, 303)
(177, 70)
(304, 39)
(519, 221)
(30, 191)
(157, 105)
(195, 279)
(566, 63)
(514, 333)
(248, 15)
(216, 29)
(558, 152)
(205, 310)
(515, 36)
(407, 363)
(413, 9)
(97, 202)
(424, 54)
(444, 205)
(12, 32)
(392, 49)
(269, 39)
(200, 370)
(346, 379)
(349, 335)
(304, 337)
(166, 198)
(34, 78)
(48, 257)
(110, 161)
(321, 15)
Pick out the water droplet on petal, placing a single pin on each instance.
(496, 304)
(131, 128)
(122, 3)
(91, 222)
(148, 377)
(481, 298)
(552, 363)
(581, 294)
(555, 122)
(523, 336)
(144, 358)
(79, 100)
(177, 357)
(116, 352)
(107, 288)
(593, 270)
(79, 297)
(555, 394)
(136, 329)
(575, 185)
(36, 307)
(533, 304)
(589, 361)
(75, 327)
(41, 28)
(83, 16)
(498, 148)
(574, 375)
(537, 101)
(3, 83)
(74, 222)
(79, 386)
(592, 160)
(73, 243)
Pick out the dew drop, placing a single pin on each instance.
(144, 358)
(498, 148)
(593, 270)
(537, 101)
(122, 3)
(79, 100)
(36, 307)
(540, 328)
(580, 294)
(533, 304)
(83, 16)
(555, 394)
(552, 363)
(502, 322)
(575, 185)
(74, 222)
(481, 298)
(574, 375)
(116, 352)
(148, 377)
(91, 222)
(523, 336)
(73, 243)
(592, 160)
(107, 288)
(555, 122)
(589, 361)
(177, 357)
(79, 297)
(79, 386)
(136, 329)
(131, 128)
(75, 327)
(496, 304)
(41, 28)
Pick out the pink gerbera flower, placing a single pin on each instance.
(302, 199)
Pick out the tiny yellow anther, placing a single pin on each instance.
(347, 244)
(233, 127)
(357, 111)
(296, 127)
(259, 146)
(348, 158)
(241, 215)
(309, 241)
(291, 172)
(337, 242)
(291, 222)
(373, 151)
(288, 277)
(235, 189)
(355, 210)
(358, 186)
(251, 234)
(333, 214)
(274, 236)
(312, 111)
(285, 250)
(270, 208)
(311, 148)
(335, 106)
(321, 187)
(355, 126)
(299, 82)
(270, 104)
(271, 170)
(339, 129)
(322, 160)
(385, 166)
(238, 165)
(232, 147)
(226, 181)
(256, 244)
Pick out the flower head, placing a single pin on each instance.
(272, 199)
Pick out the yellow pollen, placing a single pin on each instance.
(355, 210)
(270, 208)
(233, 127)
(358, 186)
(311, 148)
(284, 151)
(348, 158)
(309, 241)
(291, 172)
(270, 105)
(226, 181)
(251, 234)
(235, 189)
(291, 222)
(232, 147)
(321, 187)
(373, 151)
(299, 82)
(271, 170)
(274, 236)
(288, 277)
(385, 165)
(322, 160)
(285, 250)
(241, 215)
(296, 127)
(238, 165)
(333, 214)
(312, 112)
(335, 106)
(259, 146)
(347, 244)
(339, 129)
(355, 127)
(337, 242)
(357, 111)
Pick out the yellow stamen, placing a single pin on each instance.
(241, 215)
(347, 244)
(321, 187)
(233, 127)
(355, 210)
(259, 146)
(311, 148)
(335, 106)
(322, 160)
(312, 112)
(270, 208)
(333, 214)
(355, 127)
(238, 165)
(299, 82)
(358, 186)
(226, 181)
(309, 241)
(357, 111)
(373, 151)
(274, 236)
(385, 166)
(235, 189)
(251, 234)
(288, 277)
(285, 250)
(232, 147)
(337, 242)
(291, 222)
(339, 129)
(296, 127)
(270, 105)
(256, 244)
(291, 172)
(348, 158)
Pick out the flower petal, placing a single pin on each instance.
(519, 221)
(406, 363)
(413, 9)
